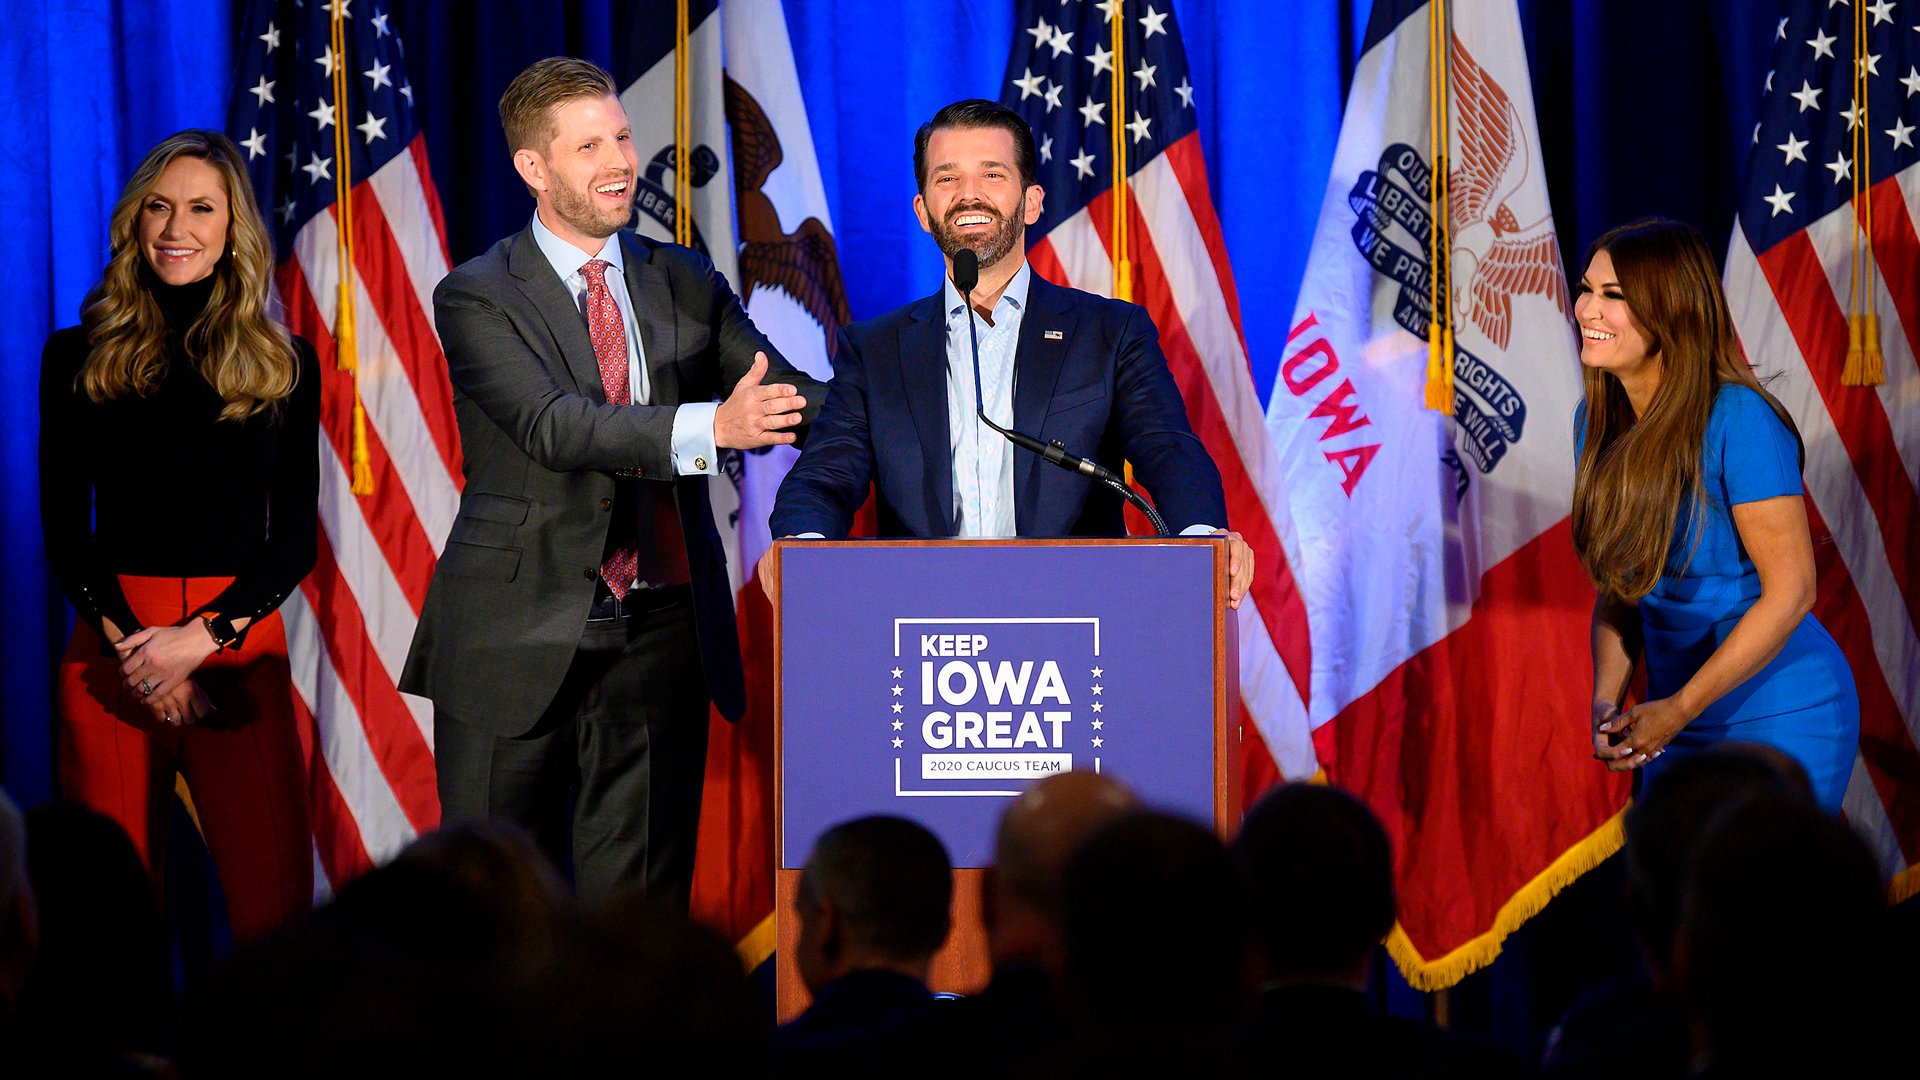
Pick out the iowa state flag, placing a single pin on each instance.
(1449, 616)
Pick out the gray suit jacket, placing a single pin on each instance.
(509, 599)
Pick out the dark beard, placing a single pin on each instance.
(990, 247)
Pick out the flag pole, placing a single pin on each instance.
(682, 131)
(1864, 366)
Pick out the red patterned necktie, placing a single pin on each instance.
(609, 336)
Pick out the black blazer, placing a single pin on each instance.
(1088, 372)
(510, 595)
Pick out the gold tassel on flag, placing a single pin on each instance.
(345, 349)
(682, 130)
(1122, 255)
(1864, 366)
(1439, 392)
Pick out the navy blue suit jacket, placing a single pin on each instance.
(1101, 387)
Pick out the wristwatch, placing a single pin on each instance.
(220, 628)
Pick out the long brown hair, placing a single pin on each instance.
(243, 353)
(1635, 474)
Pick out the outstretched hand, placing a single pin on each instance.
(755, 415)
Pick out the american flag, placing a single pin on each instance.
(1791, 278)
(369, 748)
(1060, 77)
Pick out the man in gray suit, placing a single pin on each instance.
(583, 592)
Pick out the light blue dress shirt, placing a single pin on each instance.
(693, 449)
(982, 457)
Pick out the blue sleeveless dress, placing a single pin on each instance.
(1803, 701)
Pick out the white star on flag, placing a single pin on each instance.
(326, 61)
(1154, 22)
(1882, 12)
(318, 169)
(1822, 44)
(255, 143)
(1054, 90)
(1083, 165)
(1781, 201)
(271, 37)
(1092, 112)
(1902, 133)
(1062, 42)
(1042, 32)
(1807, 96)
(1871, 62)
(1046, 145)
(1030, 84)
(264, 91)
(380, 25)
(1185, 90)
(374, 128)
(1145, 74)
(406, 91)
(378, 73)
(323, 114)
(1842, 167)
(1109, 8)
(1139, 126)
(1912, 81)
(1795, 149)
(1101, 58)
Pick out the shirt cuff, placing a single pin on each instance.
(694, 453)
(1198, 530)
(808, 536)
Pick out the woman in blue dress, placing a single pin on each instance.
(1687, 515)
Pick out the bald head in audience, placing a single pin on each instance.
(1040, 832)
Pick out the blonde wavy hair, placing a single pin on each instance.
(1636, 473)
(245, 355)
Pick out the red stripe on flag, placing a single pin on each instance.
(1896, 252)
(1046, 262)
(397, 745)
(1885, 745)
(1820, 329)
(1482, 771)
(336, 835)
(1258, 773)
(1282, 607)
(377, 258)
(430, 192)
(389, 513)
(736, 849)
(1190, 168)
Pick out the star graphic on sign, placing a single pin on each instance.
(271, 37)
(1822, 44)
(1881, 12)
(323, 114)
(1795, 149)
(896, 673)
(1185, 90)
(380, 24)
(255, 143)
(406, 91)
(1096, 689)
(1807, 96)
(896, 725)
(1061, 42)
(896, 706)
(1145, 74)
(1054, 90)
(1098, 724)
(1781, 201)
(286, 211)
(1096, 706)
(1902, 133)
(326, 61)
(1030, 84)
(1083, 165)
(896, 744)
(896, 691)
(1912, 81)
(1093, 112)
(318, 169)
(1842, 168)
(378, 73)
(1101, 58)
(1871, 62)
(374, 128)
(1139, 126)
(1097, 671)
(1153, 22)
(263, 91)
(1046, 145)
(1098, 741)
(1042, 32)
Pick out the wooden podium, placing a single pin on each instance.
(935, 680)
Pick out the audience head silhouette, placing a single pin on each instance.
(876, 893)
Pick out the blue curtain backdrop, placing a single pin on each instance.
(1644, 106)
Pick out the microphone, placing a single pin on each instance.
(966, 276)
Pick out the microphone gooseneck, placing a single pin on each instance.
(966, 277)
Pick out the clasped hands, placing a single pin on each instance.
(755, 415)
(1644, 730)
(158, 663)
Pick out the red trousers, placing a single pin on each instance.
(243, 765)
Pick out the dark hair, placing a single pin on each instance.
(527, 106)
(978, 113)
(889, 879)
(1320, 876)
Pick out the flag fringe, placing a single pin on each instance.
(1430, 975)
(1865, 366)
(757, 947)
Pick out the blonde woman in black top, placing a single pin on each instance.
(178, 486)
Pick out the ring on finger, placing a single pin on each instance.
(146, 687)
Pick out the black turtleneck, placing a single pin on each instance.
(160, 486)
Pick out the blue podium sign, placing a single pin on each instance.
(936, 680)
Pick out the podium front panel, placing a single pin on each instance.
(936, 681)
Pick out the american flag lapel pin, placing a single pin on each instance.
(1053, 335)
